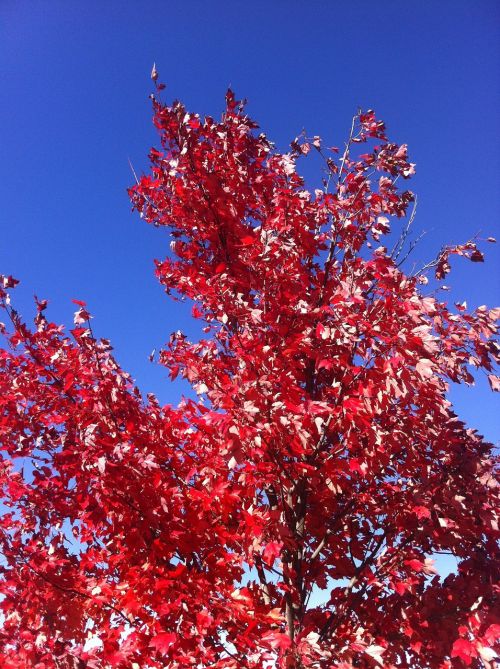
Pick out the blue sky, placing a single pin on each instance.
(74, 108)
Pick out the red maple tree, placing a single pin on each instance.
(322, 455)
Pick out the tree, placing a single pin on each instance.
(322, 453)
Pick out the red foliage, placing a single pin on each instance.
(322, 453)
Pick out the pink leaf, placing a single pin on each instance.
(494, 382)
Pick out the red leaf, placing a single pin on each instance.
(400, 587)
(465, 650)
(277, 640)
(421, 512)
(272, 551)
(162, 642)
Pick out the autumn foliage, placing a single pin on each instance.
(288, 517)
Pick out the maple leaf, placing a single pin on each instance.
(277, 640)
(272, 551)
(376, 653)
(163, 642)
(421, 512)
(465, 650)
(425, 368)
(494, 382)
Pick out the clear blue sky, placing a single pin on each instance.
(74, 107)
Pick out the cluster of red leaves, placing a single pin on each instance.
(322, 455)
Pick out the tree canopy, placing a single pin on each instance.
(322, 453)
